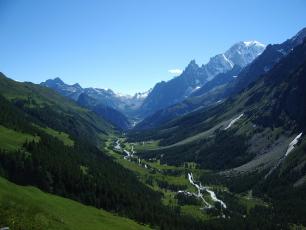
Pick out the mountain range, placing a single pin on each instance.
(194, 76)
(225, 85)
(113, 107)
(143, 104)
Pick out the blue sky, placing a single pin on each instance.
(130, 45)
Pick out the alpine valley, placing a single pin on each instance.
(221, 146)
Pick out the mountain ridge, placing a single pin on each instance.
(195, 76)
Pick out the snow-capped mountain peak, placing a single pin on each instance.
(253, 43)
(241, 54)
(191, 67)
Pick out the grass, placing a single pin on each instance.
(250, 202)
(12, 140)
(195, 211)
(146, 145)
(64, 137)
(29, 208)
(158, 165)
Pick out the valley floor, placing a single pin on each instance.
(180, 185)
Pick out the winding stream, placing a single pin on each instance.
(198, 186)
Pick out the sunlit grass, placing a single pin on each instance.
(12, 140)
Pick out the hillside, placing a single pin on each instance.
(24, 207)
(55, 145)
(42, 103)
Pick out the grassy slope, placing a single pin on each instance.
(64, 137)
(43, 96)
(29, 208)
(11, 140)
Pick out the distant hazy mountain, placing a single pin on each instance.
(193, 77)
(123, 103)
(104, 102)
(108, 113)
(71, 91)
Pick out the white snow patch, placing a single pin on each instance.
(233, 121)
(293, 143)
(219, 101)
(290, 148)
(251, 43)
(195, 89)
(228, 61)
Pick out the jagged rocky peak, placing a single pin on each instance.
(57, 79)
(191, 67)
(54, 81)
(60, 84)
(77, 85)
(299, 37)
